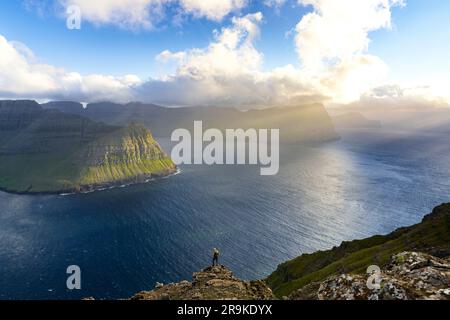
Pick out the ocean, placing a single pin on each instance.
(127, 239)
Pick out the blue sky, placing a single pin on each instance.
(415, 49)
(112, 50)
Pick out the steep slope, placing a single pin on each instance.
(128, 155)
(409, 276)
(50, 151)
(69, 107)
(303, 123)
(431, 236)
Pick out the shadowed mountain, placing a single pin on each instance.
(48, 151)
(307, 123)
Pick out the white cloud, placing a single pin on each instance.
(274, 3)
(146, 14)
(212, 9)
(129, 14)
(405, 96)
(227, 72)
(332, 42)
(23, 76)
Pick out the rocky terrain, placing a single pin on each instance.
(306, 272)
(48, 151)
(212, 283)
(414, 263)
(409, 276)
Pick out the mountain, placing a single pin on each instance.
(414, 263)
(304, 123)
(408, 276)
(431, 236)
(48, 151)
(70, 107)
(354, 120)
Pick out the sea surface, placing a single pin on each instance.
(127, 239)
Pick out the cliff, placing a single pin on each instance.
(48, 151)
(408, 276)
(212, 283)
(340, 273)
(302, 123)
(431, 236)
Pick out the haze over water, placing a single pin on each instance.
(127, 239)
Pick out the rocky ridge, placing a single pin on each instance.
(212, 283)
(409, 276)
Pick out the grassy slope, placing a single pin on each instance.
(64, 170)
(355, 256)
(40, 172)
(121, 171)
(139, 155)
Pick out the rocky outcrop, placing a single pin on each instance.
(212, 283)
(431, 236)
(409, 276)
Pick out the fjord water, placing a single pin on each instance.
(127, 239)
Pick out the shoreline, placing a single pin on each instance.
(143, 179)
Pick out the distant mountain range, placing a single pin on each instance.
(354, 120)
(304, 123)
(61, 147)
(48, 151)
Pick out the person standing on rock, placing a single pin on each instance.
(216, 254)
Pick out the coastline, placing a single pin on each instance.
(142, 179)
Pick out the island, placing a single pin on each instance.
(48, 151)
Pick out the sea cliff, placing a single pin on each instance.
(48, 151)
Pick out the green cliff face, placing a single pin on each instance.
(127, 155)
(431, 236)
(49, 151)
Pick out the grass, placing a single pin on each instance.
(123, 171)
(136, 154)
(354, 257)
(37, 173)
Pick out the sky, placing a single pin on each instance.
(226, 52)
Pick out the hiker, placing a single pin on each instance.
(216, 254)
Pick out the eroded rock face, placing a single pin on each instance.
(409, 276)
(212, 283)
